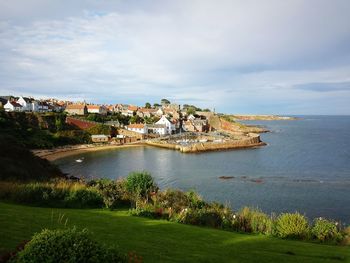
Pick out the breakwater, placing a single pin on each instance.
(249, 141)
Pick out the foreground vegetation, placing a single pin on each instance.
(34, 181)
(139, 191)
(160, 240)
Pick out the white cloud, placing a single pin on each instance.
(183, 50)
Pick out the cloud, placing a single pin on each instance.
(325, 87)
(206, 51)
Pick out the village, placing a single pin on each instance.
(182, 127)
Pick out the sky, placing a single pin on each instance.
(246, 57)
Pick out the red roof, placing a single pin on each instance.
(15, 104)
(132, 108)
(93, 107)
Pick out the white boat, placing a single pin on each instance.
(79, 160)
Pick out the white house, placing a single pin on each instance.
(140, 128)
(96, 109)
(191, 117)
(157, 129)
(28, 104)
(12, 106)
(159, 112)
(170, 127)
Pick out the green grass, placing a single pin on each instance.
(162, 241)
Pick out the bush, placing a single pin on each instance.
(326, 231)
(253, 221)
(202, 217)
(346, 236)
(66, 246)
(54, 194)
(140, 185)
(113, 192)
(82, 198)
(290, 225)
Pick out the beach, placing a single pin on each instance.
(61, 152)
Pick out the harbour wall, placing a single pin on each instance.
(252, 140)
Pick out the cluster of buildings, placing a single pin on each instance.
(29, 104)
(167, 118)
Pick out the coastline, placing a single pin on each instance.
(61, 152)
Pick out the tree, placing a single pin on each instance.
(140, 185)
(136, 119)
(165, 101)
(191, 110)
(156, 105)
(206, 110)
(148, 105)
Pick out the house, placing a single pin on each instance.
(159, 112)
(191, 117)
(171, 113)
(145, 112)
(13, 106)
(130, 110)
(121, 107)
(2, 102)
(170, 126)
(43, 106)
(157, 129)
(196, 125)
(139, 128)
(28, 104)
(99, 138)
(96, 109)
(76, 109)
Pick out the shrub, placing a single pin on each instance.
(201, 217)
(290, 225)
(140, 185)
(346, 236)
(113, 192)
(81, 198)
(325, 230)
(54, 194)
(253, 221)
(66, 246)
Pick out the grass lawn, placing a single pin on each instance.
(162, 241)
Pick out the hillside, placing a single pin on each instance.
(160, 240)
(18, 163)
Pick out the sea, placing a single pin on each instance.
(304, 167)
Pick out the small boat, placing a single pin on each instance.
(79, 160)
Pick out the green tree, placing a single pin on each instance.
(165, 101)
(148, 105)
(191, 110)
(136, 119)
(156, 105)
(140, 185)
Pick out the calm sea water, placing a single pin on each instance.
(305, 167)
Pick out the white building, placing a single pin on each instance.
(99, 138)
(13, 106)
(96, 109)
(170, 126)
(157, 129)
(28, 104)
(140, 128)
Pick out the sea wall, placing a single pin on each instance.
(252, 140)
